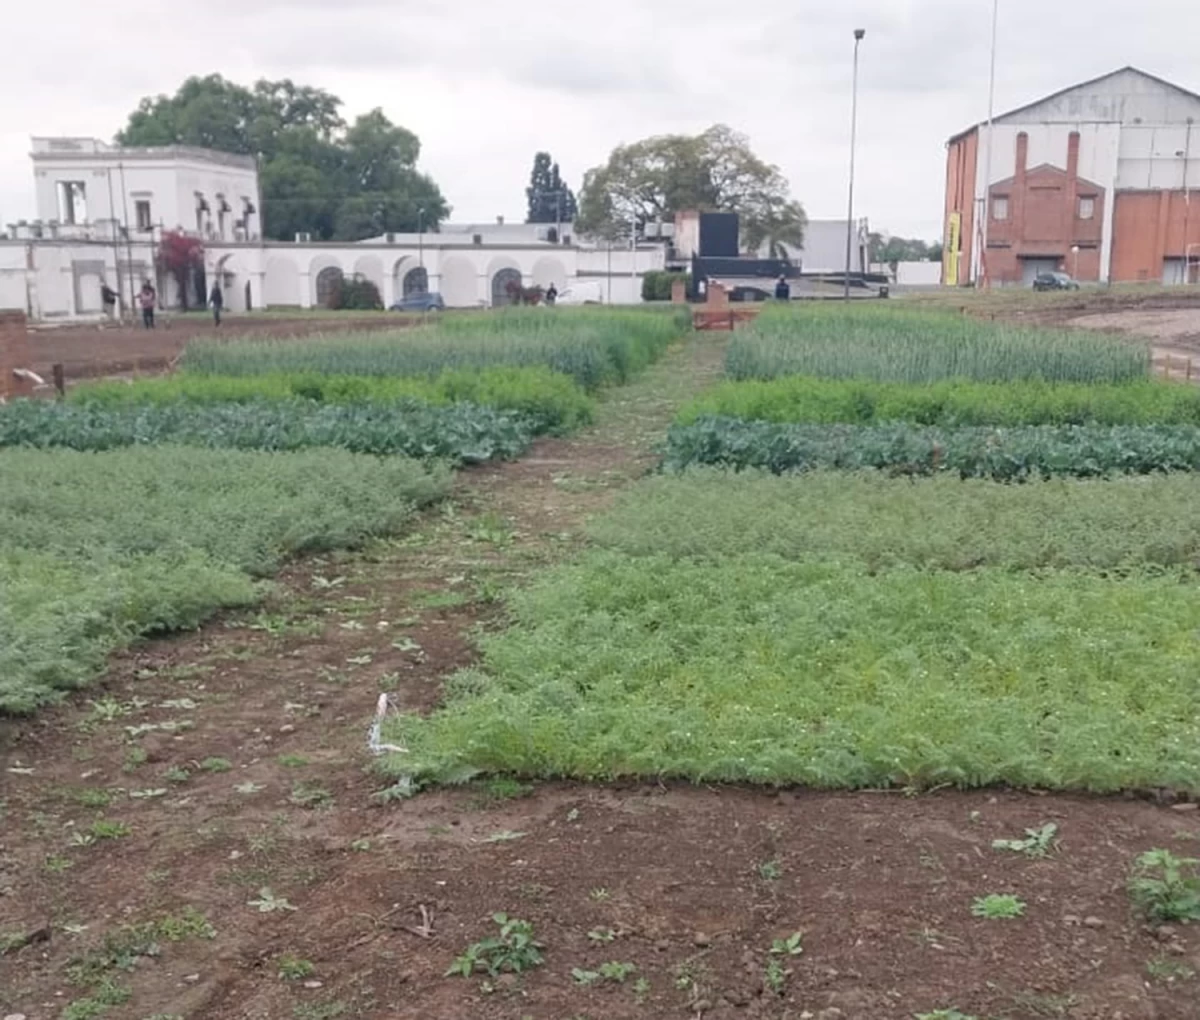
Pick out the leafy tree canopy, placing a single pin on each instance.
(655, 178)
(550, 200)
(318, 174)
(891, 250)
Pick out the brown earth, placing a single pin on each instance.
(237, 758)
(86, 352)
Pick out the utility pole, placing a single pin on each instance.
(116, 239)
(128, 239)
(859, 33)
(421, 242)
(981, 276)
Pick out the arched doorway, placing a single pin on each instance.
(416, 281)
(328, 280)
(501, 283)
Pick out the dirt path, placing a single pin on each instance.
(226, 771)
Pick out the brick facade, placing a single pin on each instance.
(14, 354)
(1150, 227)
(961, 160)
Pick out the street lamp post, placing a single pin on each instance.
(981, 275)
(859, 33)
(421, 238)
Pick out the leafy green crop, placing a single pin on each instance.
(460, 432)
(1004, 454)
(552, 401)
(801, 399)
(757, 669)
(938, 522)
(596, 347)
(98, 548)
(910, 345)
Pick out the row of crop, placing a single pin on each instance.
(458, 433)
(550, 401)
(972, 452)
(98, 548)
(905, 345)
(596, 347)
(948, 402)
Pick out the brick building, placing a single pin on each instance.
(1095, 180)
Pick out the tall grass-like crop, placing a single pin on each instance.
(757, 669)
(596, 347)
(462, 433)
(866, 518)
(553, 402)
(97, 548)
(1014, 454)
(908, 345)
(803, 399)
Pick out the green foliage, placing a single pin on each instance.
(949, 402)
(1037, 842)
(756, 669)
(998, 907)
(1016, 454)
(656, 284)
(549, 198)
(943, 1014)
(793, 945)
(596, 347)
(1166, 888)
(460, 433)
(513, 950)
(908, 345)
(98, 548)
(356, 294)
(293, 968)
(939, 522)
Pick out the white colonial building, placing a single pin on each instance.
(102, 211)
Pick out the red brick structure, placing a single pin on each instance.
(14, 354)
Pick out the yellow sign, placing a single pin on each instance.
(951, 253)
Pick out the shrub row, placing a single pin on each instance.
(908, 345)
(802, 399)
(1002, 454)
(551, 401)
(461, 433)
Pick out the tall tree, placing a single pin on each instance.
(655, 178)
(891, 250)
(550, 200)
(318, 174)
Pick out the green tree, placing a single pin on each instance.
(318, 174)
(550, 200)
(655, 178)
(890, 250)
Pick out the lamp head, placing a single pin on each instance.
(859, 33)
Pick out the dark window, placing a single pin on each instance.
(142, 207)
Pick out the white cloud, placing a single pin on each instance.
(484, 85)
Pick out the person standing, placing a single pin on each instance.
(148, 298)
(217, 301)
(108, 297)
(551, 294)
(783, 291)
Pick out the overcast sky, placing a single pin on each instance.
(485, 84)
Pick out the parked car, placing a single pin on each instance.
(586, 293)
(1054, 281)
(426, 301)
(747, 293)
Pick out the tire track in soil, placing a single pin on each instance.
(879, 884)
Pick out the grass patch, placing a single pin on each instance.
(758, 669)
(940, 522)
(801, 399)
(1015, 454)
(910, 345)
(97, 549)
(595, 347)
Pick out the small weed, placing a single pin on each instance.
(641, 989)
(406, 644)
(134, 757)
(599, 895)
(310, 795)
(292, 761)
(11, 940)
(177, 774)
(327, 1009)
(770, 871)
(791, 946)
(247, 788)
(513, 950)
(1162, 890)
(92, 797)
(361, 660)
(997, 906)
(505, 836)
(104, 996)
(775, 975)
(585, 977)
(944, 1014)
(269, 903)
(1037, 842)
(1037, 1004)
(361, 845)
(152, 793)
(104, 829)
(56, 864)
(292, 968)
(403, 790)
(108, 710)
(617, 972)
(216, 765)
(1163, 968)
(602, 934)
(389, 682)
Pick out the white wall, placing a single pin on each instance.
(918, 274)
(12, 277)
(1156, 156)
(1126, 97)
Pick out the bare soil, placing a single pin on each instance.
(87, 352)
(258, 777)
